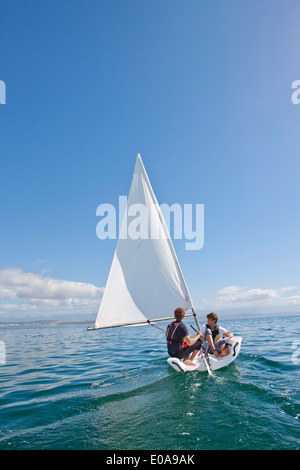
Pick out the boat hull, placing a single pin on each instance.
(215, 363)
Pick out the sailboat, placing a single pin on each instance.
(145, 282)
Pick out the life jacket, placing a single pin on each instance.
(215, 332)
(172, 336)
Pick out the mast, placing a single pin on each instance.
(196, 318)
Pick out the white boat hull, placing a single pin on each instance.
(215, 363)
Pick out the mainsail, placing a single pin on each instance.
(145, 282)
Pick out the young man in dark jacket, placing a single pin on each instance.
(178, 340)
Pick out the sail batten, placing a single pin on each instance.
(145, 282)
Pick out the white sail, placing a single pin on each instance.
(145, 280)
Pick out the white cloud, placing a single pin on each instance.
(28, 291)
(235, 296)
(16, 283)
(230, 290)
(6, 293)
(286, 289)
(17, 307)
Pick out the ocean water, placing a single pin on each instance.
(63, 387)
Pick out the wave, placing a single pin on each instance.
(281, 365)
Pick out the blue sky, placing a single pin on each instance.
(202, 90)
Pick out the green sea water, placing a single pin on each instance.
(62, 387)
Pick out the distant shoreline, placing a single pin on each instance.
(44, 322)
(223, 317)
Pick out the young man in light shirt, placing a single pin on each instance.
(213, 336)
